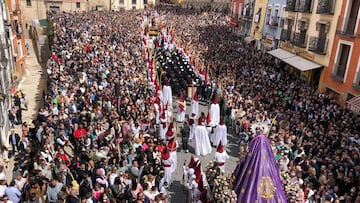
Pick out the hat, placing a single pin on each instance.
(195, 98)
(170, 131)
(220, 148)
(192, 163)
(222, 121)
(208, 118)
(75, 185)
(165, 155)
(214, 100)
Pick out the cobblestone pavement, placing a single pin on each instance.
(177, 191)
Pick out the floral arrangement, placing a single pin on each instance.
(219, 185)
(292, 189)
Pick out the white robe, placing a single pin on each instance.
(195, 108)
(221, 158)
(157, 113)
(181, 114)
(173, 157)
(221, 135)
(167, 96)
(215, 114)
(168, 170)
(202, 142)
(162, 130)
(192, 131)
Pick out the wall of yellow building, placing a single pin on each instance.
(257, 28)
(311, 32)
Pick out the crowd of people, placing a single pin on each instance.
(97, 140)
(314, 140)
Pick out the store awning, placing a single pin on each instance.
(293, 60)
(354, 104)
(281, 54)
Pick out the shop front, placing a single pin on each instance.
(299, 66)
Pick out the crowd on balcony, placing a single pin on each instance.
(87, 145)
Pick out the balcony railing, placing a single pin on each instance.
(248, 13)
(300, 39)
(285, 35)
(304, 6)
(274, 22)
(290, 5)
(339, 72)
(346, 27)
(16, 12)
(325, 7)
(318, 45)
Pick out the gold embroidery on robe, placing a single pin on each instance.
(266, 188)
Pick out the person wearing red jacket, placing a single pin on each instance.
(63, 157)
(81, 131)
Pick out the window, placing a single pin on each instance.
(20, 53)
(258, 15)
(134, 2)
(77, 4)
(268, 16)
(357, 76)
(240, 10)
(342, 62)
(121, 1)
(28, 2)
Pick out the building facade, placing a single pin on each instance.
(128, 4)
(272, 31)
(37, 9)
(247, 20)
(208, 5)
(16, 36)
(308, 29)
(342, 75)
(258, 21)
(7, 67)
(237, 7)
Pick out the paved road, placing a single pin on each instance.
(177, 191)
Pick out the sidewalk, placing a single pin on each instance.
(32, 84)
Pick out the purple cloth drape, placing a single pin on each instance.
(257, 177)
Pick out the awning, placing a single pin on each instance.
(281, 54)
(293, 60)
(354, 104)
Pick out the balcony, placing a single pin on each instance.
(325, 7)
(346, 27)
(318, 45)
(18, 30)
(16, 12)
(248, 14)
(300, 39)
(304, 6)
(290, 5)
(274, 22)
(339, 72)
(285, 35)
